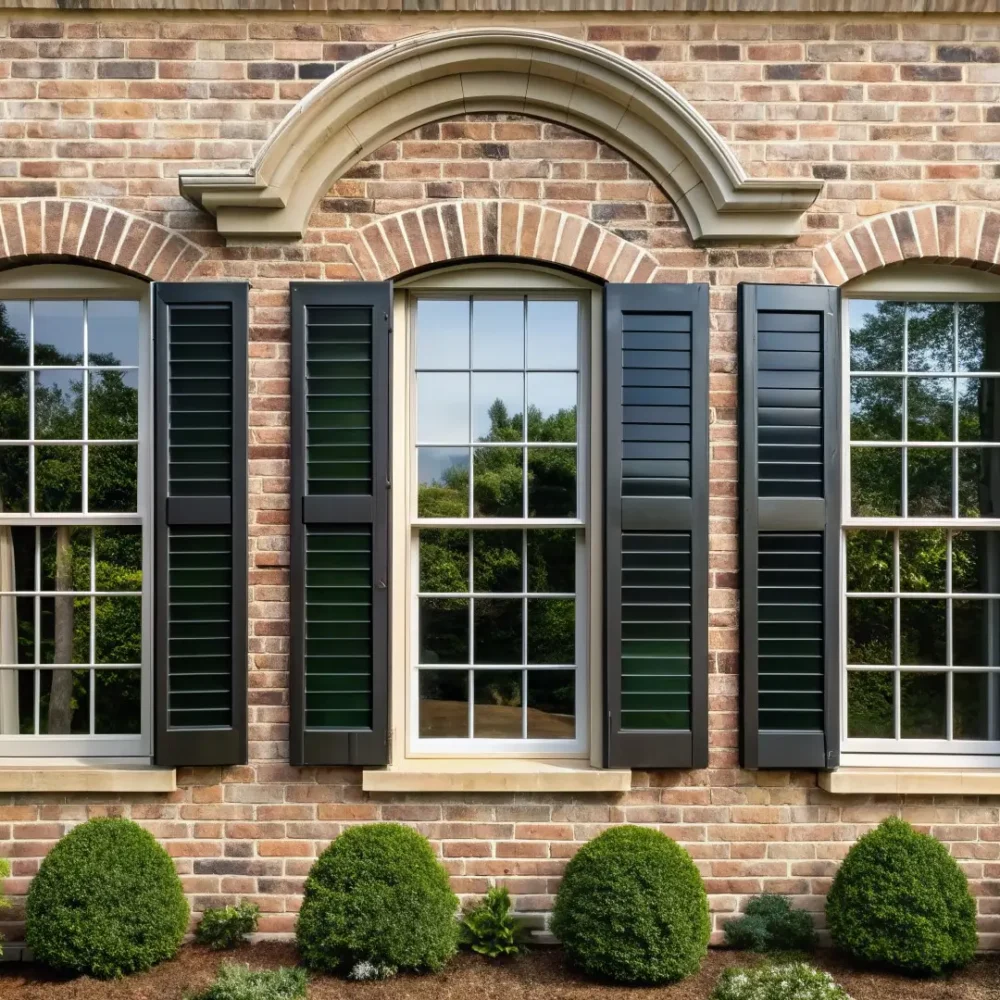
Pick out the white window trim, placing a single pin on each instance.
(67, 281)
(903, 282)
(517, 280)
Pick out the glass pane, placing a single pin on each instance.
(922, 706)
(929, 478)
(553, 333)
(443, 477)
(59, 404)
(444, 704)
(112, 479)
(552, 561)
(977, 350)
(497, 713)
(551, 631)
(64, 704)
(59, 478)
(869, 561)
(551, 482)
(497, 561)
(876, 482)
(970, 703)
(870, 705)
(979, 482)
(58, 332)
(118, 558)
(498, 406)
(119, 630)
(25, 721)
(931, 336)
(14, 406)
(117, 702)
(444, 562)
(930, 407)
(876, 409)
(876, 335)
(497, 333)
(15, 332)
(975, 629)
(443, 407)
(978, 409)
(923, 633)
(22, 540)
(923, 559)
(113, 332)
(552, 406)
(25, 629)
(975, 562)
(113, 405)
(498, 624)
(444, 630)
(498, 484)
(551, 704)
(65, 558)
(442, 333)
(869, 631)
(14, 479)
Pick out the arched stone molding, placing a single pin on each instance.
(432, 76)
(945, 234)
(453, 231)
(88, 232)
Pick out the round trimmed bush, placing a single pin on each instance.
(899, 899)
(632, 908)
(106, 902)
(378, 894)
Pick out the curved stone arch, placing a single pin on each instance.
(966, 235)
(86, 232)
(437, 75)
(449, 232)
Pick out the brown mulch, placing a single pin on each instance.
(540, 975)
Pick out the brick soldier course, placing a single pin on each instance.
(898, 114)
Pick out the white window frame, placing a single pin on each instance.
(66, 281)
(493, 280)
(907, 282)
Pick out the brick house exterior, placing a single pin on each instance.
(898, 114)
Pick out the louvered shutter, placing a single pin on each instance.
(790, 523)
(340, 522)
(200, 340)
(656, 525)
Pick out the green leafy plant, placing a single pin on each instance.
(770, 925)
(4, 903)
(106, 902)
(227, 926)
(240, 982)
(632, 908)
(490, 928)
(900, 899)
(778, 982)
(378, 894)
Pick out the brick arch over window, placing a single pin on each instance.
(944, 234)
(451, 231)
(85, 232)
(436, 75)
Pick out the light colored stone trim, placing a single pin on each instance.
(48, 778)
(499, 775)
(437, 75)
(909, 781)
(578, 7)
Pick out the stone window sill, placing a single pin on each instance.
(86, 776)
(486, 775)
(909, 781)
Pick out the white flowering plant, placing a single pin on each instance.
(796, 981)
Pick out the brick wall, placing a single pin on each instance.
(99, 114)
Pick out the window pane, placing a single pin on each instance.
(552, 406)
(876, 409)
(497, 561)
(444, 561)
(64, 702)
(443, 477)
(443, 407)
(112, 332)
(25, 681)
(59, 404)
(117, 702)
(59, 478)
(25, 629)
(552, 631)
(978, 409)
(978, 482)
(497, 333)
(552, 333)
(931, 336)
(118, 558)
(499, 630)
(870, 704)
(922, 706)
(971, 703)
(14, 479)
(930, 408)
(975, 562)
(929, 479)
(869, 561)
(119, 630)
(15, 332)
(870, 631)
(923, 559)
(444, 704)
(498, 484)
(497, 713)
(922, 633)
(65, 558)
(552, 482)
(442, 333)
(876, 335)
(113, 405)
(498, 406)
(14, 406)
(112, 479)
(552, 561)
(551, 704)
(975, 633)
(977, 351)
(876, 482)
(58, 333)
(65, 630)
(444, 630)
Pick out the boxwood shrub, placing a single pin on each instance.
(900, 899)
(632, 908)
(378, 895)
(770, 924)
(106, 902)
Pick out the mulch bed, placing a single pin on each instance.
(540, 975)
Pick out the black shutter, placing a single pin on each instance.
(340, 522)
(790, 522)
(656, 525)
(200, 340)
